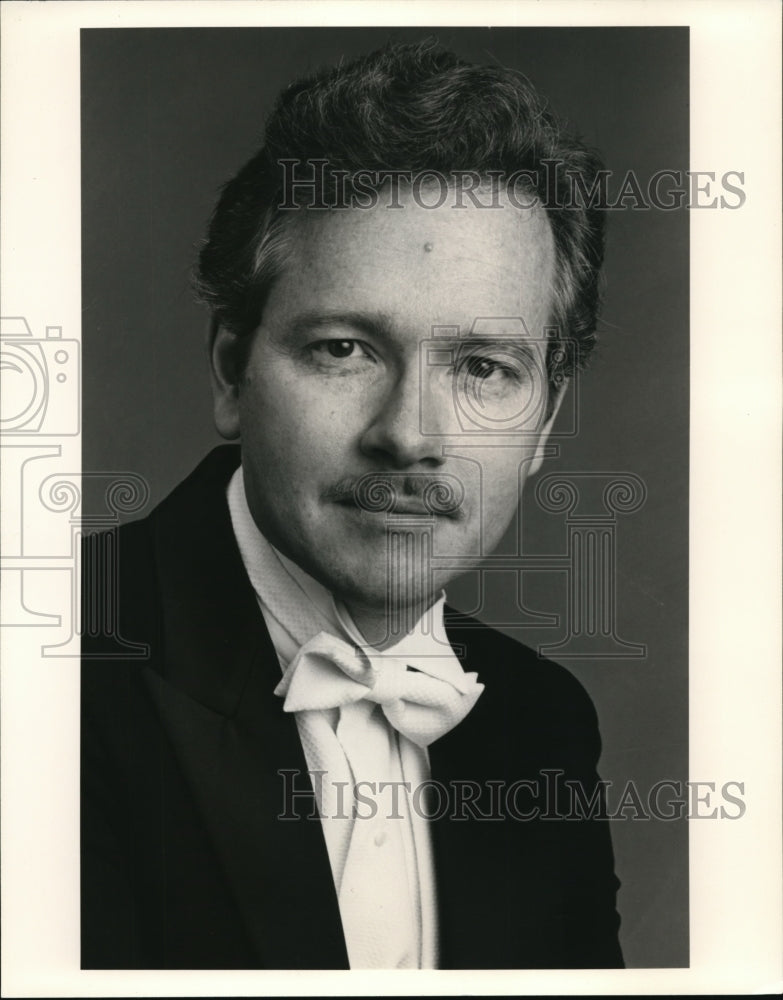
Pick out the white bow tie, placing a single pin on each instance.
(328, 672)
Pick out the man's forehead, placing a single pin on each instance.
(465, 262)
(406, 217)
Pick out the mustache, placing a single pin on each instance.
(399, 492)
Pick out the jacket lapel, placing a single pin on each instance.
(236, 746)
(474, 929)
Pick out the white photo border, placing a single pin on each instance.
(735, 630)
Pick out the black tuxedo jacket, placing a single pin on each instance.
(185, 861)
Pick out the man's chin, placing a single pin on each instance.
(382, 594)
(375, 588)
(364, 564)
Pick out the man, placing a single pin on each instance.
(311, 765)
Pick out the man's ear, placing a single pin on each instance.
(223, 356)
(538, 457)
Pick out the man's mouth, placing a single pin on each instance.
(411, 507)
(401, 494)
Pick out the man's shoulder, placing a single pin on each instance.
(520, 672)
(196, 503)
(129, 571)
(201, 493)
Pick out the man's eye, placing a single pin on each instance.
(485, 368)
(340, 349)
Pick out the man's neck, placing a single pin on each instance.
(385, 627)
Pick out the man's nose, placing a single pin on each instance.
(408, 425)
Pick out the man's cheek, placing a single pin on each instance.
(500, 499)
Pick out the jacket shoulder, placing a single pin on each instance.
(505, 662)
(123, 568)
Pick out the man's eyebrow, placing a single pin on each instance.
(374, 324)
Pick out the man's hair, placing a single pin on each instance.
(409, 108)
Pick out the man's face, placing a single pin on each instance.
(340, 383)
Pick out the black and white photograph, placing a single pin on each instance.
(377, 492)
(400, 283)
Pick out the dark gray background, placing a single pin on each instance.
(169, 115)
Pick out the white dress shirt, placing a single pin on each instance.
(381, 863)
